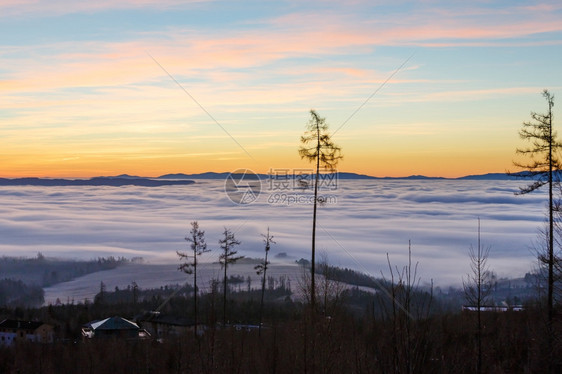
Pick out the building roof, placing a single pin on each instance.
(513, 308)
(22, 325)
(113, 323)
(156, 317)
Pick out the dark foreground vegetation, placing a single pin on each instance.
(341, 344)
(398, 329)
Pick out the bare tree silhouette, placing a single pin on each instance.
(261, 269)
(477, 288)
(543, 163)
(541, 168)
(317, 146)
(226, 258)
(196, 238)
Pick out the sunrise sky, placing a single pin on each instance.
(85, 90)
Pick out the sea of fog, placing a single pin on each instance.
(360, 223)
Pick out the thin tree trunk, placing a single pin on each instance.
(550, 300)
(313, 265)
(224, 297)
(195, 293)
(313, 262)
(263, 289)
(479, 304)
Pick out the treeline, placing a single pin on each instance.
(15, 293)
(349, 276)
(58, 271)
(133, 294)
(24, 278)
(504, 292)
(44, 272)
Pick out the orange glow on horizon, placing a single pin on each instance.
(437, 93)
(387, 165)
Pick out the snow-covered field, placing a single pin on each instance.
(154, 276)
(362, 222)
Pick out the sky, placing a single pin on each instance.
(148, 87)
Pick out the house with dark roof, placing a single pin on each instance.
(113, 327)
(13, 331)
(162, 326)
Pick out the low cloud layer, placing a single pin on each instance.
(368, 220)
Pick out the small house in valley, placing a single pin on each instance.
(117, 327)
(162, 326)
(13, 331)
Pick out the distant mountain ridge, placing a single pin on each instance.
(207, 175)
(347, 175)
(96, 181)
(187, 179)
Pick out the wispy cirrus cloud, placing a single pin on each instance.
(19, 8)
(258, 69)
